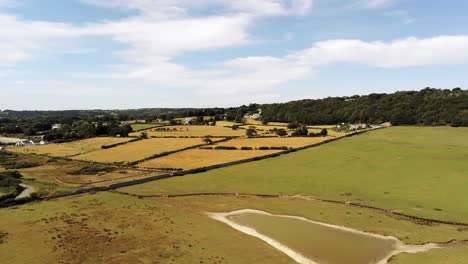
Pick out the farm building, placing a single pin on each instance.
(188, 120)
(56, 126)
(24, 143)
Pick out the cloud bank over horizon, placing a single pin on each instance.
(173, 53)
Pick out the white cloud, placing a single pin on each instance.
(21, 40)
(181, 7)
(440, 50)
(376, 3)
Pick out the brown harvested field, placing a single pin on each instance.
(197, 158)
(64, 174)
(194, 131)
(71, 148)
(292, 142)
(139, 150)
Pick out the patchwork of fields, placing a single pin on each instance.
(409, 170)
(139, 150)
(387, 168)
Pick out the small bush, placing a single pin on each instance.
(93, 169)
(279, 148)
(264, 148)
(225, 148)
(22, 165)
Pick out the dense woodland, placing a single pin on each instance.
(426, 107)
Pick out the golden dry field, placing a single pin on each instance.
(197, 158)
(65, 174)
(193, 131)
(291, 142)
(139, 150)
(70, 148)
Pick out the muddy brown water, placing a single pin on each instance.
(321, 243)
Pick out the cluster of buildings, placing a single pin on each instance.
(254, 115)
(24, 143)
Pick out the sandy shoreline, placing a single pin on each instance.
(400, 247)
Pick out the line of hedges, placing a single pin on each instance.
(176, 151)
(244, 148)
(193, 171)
(119, 144)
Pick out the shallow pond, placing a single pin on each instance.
(312, 242)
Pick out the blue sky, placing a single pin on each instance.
(107, 54)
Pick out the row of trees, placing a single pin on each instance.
(427, 107)
(83, 129)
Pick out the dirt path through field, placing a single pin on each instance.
(26, 192)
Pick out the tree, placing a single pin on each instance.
(293, 125)
(402, 118)
(207, 140)
(83, 129)
(301, 131)
(125, 130)
(240, 119)
(281, 132)
(144, 135)
(324, 132)
(199, 120)
(251, 132)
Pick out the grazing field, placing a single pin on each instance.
(290, 142)
(177, 230)
(194, 131)
(71, 148)
(406, 169)
(197, 158)
(139, 150)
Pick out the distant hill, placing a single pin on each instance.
(426, 107)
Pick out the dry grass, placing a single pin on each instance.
(194, 131)
(63, 174)
(293, 142)
(197, 158)
(70, 148)
(139, 150)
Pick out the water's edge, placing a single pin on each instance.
(400, 247)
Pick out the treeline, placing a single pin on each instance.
(83, 129)
(426, 107)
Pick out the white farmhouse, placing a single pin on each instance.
(188, 120)
(56, 126)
